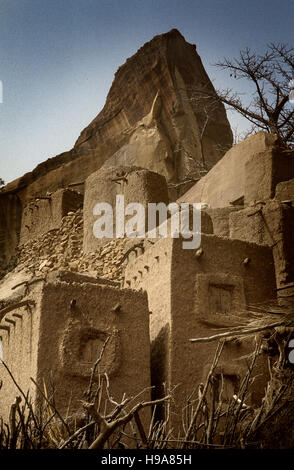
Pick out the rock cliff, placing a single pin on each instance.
(156, 111)
(159, 100)
(157, 116)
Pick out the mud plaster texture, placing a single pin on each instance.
(175, 280)
(270, 223)
(135, 184)
(150, 125)
(285, 191)
(249, 171)
(190, 296)
(84, 309)
(220, 219)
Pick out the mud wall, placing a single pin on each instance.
(248, 172)
(10, 223)
(206, 290)
(272, 224)
(42, 215)
(135, 184)
(20, 333)
(87, 311)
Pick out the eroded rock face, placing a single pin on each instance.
(167, 77)
(156, 116)
(155, 113)
(148, 145)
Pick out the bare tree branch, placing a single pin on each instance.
(270, 74)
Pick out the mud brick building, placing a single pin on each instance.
(63, 292)
(55, 331)
(193, 292)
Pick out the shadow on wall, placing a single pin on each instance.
(10, 223)
(159, 370)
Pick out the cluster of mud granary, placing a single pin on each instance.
(63, 292)
(57, 311)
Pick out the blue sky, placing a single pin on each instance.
(58, 58)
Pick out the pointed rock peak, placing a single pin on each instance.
(173, 32)
(155, 86)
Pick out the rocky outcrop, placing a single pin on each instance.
(190, 132)
(161, 114)
(156, 100)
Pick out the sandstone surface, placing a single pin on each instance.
(158, 91)
(157, 115)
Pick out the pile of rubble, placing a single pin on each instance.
(56, 249)
(63, 249)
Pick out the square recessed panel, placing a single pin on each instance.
(219, 295)
(220, 299)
